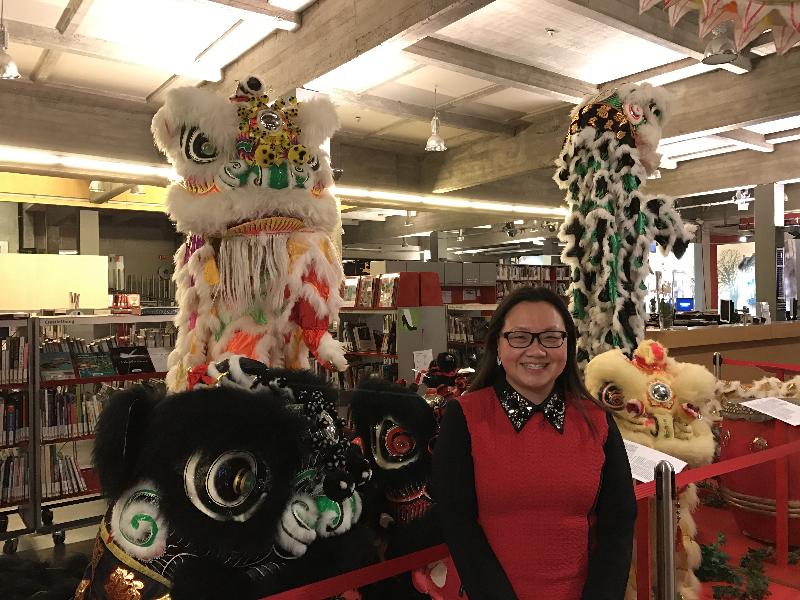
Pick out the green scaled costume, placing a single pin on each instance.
(607, 156)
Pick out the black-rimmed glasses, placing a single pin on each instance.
(523, 339)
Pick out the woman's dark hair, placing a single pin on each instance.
(569, 383)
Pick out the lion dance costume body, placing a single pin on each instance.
(258, 275)
(608, 154)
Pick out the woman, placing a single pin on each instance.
(534, 506)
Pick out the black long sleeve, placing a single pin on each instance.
(482, 576)
(610, 560)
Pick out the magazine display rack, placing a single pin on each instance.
(51, 430)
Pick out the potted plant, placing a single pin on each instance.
(666, 313)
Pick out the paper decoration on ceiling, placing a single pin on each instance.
(749, 18)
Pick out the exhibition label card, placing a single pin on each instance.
(643, 461)
(422, 359)
(775, 407)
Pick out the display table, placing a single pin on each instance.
(777, 342)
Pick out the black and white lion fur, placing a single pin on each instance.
(611, 222)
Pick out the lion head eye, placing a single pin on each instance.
(197, 147)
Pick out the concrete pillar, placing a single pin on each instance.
(768, 213)
(89, 232)
(434, 247)
(702, 269)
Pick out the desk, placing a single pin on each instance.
(777, 342)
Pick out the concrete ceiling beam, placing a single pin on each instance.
(499, 70)
(768, 93)
(335, 33)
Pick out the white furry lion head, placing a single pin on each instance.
(635, 113)
(245, 158)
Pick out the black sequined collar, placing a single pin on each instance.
(519, 409)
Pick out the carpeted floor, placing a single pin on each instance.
(784, 581)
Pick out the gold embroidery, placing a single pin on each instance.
(592, 121)
(126, 559)
(620, 135)
(325, 246)
(609, 125)
(210, 272)
(296, 249)
(122, 585)
(602, 110)
(620, 118)
(81, 591)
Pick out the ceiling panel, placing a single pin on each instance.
(182, 29)
(294, 5)
(678, 74)
(776, 126)
(580, 48)
(448, 83)
(464, 138)
(406, 93)
(519, 100)
(105, 76)
(694, 145)
(25, 56)
(418, 131)
(360, 120)
(44, 13)
(366, 71)
(493, 113)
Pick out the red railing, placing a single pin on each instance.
(361, 577)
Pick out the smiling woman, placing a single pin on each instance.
(521, 495)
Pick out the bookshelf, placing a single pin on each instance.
(396, 334)
(511, 277)
(52, 485)
(16, 509)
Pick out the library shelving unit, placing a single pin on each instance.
(64, 412)
(17, 515)
(511, 277)
(409, 329)
(466, 327)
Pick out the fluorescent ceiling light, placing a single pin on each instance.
(519, 222)
(447, 201)
(27, 156)
(482, 227)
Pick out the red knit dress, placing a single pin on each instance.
(536, 493)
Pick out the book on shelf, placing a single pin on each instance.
(61, 474)
(14, 412)
(387, 290)
(349, 292)
(13, 359)
(94, 364)
(367, 286)
(479, 327)
(68, 414)
(388, 342)
(131, 359)
(365, 341)
(56, 366)
(14, 478)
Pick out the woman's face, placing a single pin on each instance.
(532, 371)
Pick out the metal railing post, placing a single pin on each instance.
(717, 360)
(665, 531)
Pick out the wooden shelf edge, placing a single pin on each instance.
(22, 444)
(105, 379)
(373, 354)
(65, 440)
(20, 385)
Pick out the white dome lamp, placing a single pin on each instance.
(720, 50)
(8, 68)
(435, 143)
